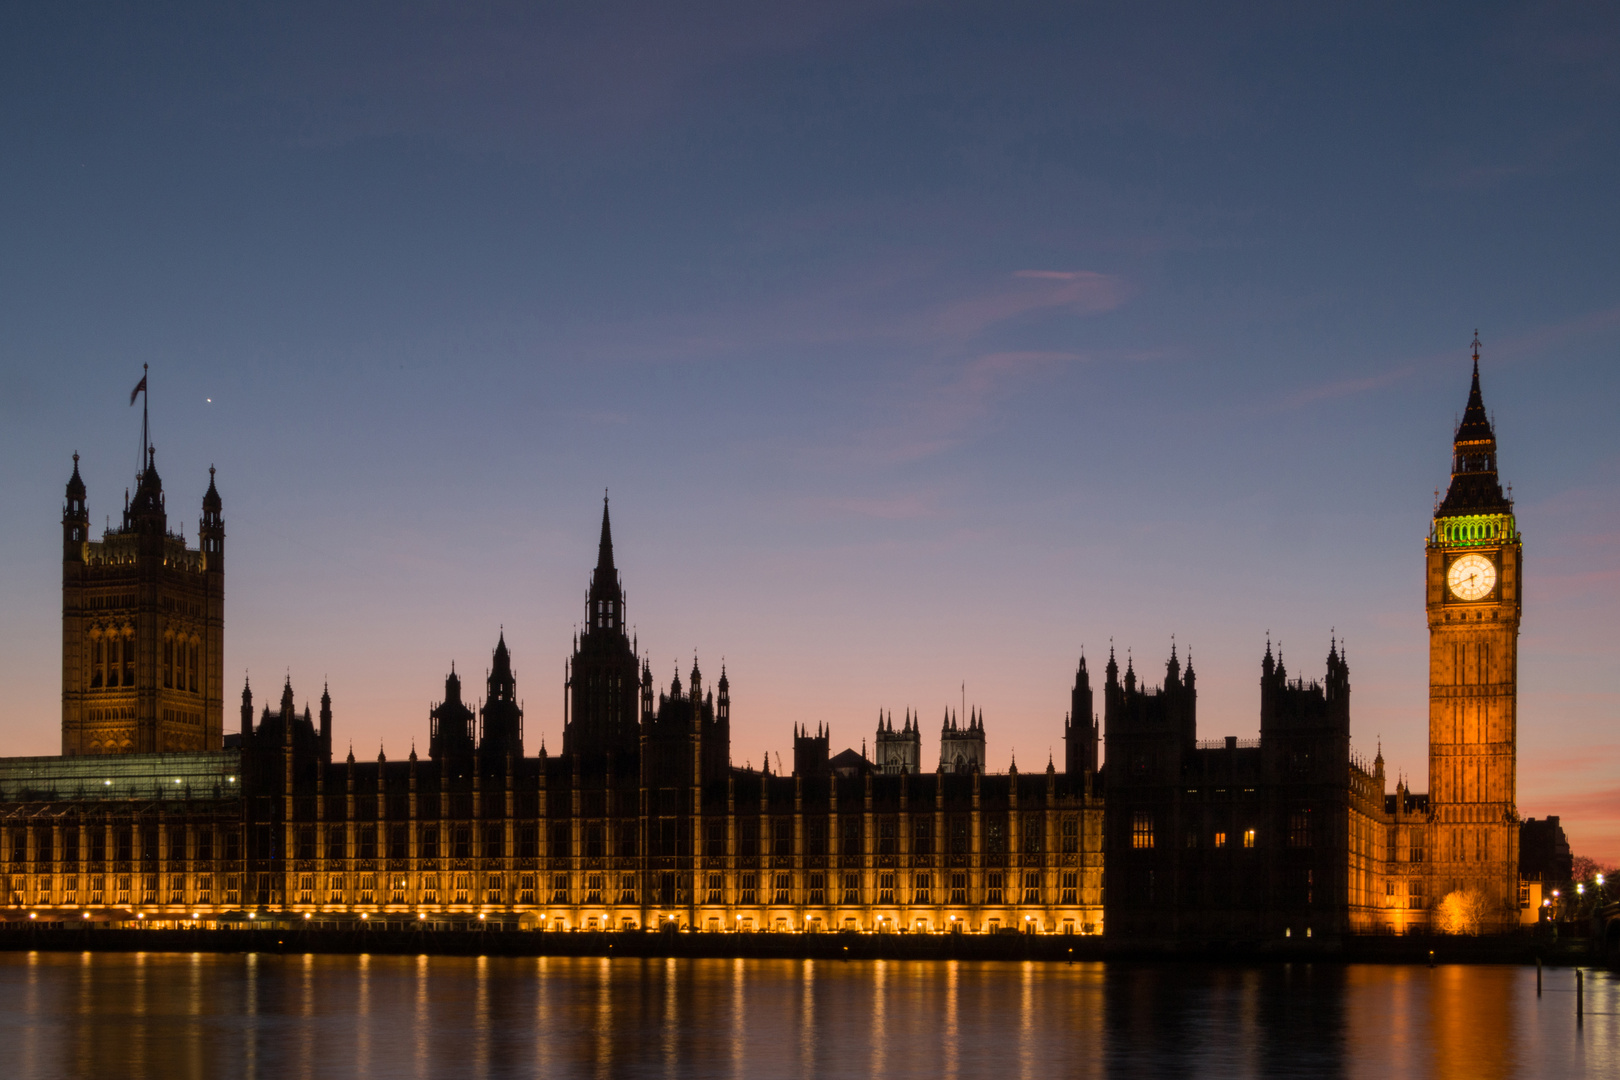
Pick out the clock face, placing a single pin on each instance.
(1472, 577)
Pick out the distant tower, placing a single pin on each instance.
(1080, 729)
(961, 749)
(502, 716)
(898, 751)
(450, 726)
(605, 691)
(143, 626)
(810, 751)
(1473, 586)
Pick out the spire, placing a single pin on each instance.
(1475, 487)
(75, 485)
(211, 500)
(604, 551)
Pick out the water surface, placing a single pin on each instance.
(175, 1015)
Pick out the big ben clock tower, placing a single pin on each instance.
(1474, 593)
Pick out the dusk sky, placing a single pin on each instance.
(920, 347)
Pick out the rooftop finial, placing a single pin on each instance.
(1476, 348)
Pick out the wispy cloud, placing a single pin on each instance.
(1512, 349)
(1084, 292)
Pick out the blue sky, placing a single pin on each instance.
(919, 345)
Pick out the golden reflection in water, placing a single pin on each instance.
(362, 1016)
(1026, 1022)
(1471, 1023)
(739, 1025)
(880, 1036)
(603, 1027)
(542, 1018)
(807, 1021)
(669, 1017)
(178, 1016)
(422, 1021)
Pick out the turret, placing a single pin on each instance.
(247, 711)
(450, 722)
(502, 716)
(326, 723)
(1080, 729)
(75, 518)
(211, 528)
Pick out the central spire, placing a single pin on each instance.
(604, 551)
(1475, 487)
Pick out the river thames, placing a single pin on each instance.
(261, 1015)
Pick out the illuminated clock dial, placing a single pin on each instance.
(1471, 577)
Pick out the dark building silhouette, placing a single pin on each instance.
(1544, 854)
(642, 820)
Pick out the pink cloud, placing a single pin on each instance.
(1082, 291)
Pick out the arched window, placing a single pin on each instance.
(193, 667)
(97, 649)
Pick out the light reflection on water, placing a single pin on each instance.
(256, 1016)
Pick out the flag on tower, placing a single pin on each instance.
(135, 393)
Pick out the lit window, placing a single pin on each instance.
(1142, 829)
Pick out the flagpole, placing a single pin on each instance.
(146, 396)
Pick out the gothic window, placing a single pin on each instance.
(850, 844)
(921, 887)
(852, 888)
(97, 649)
(495, 841)
(1248, 838)
(717, 888)
(783, 842)
(593, 888)
(923, 837)
(714, 844)
(885, 888)
(525, 888)
(959, 835)
(192, 668)
(817, 829)
(528, 841)
(205, 844)
(958, 888)
(399, 842)
(1032, 887)
(818, 888)
(783, 889)
(306, 843)
(1071, 835)
(1142, 830)
(886, 836)
(1299, 829)
(747, 889)
(627, 838)
(627, 888)
(168, 663)
(996, 835)
(1220, 838)
(993, 887)
(368, 844)
(129, 661)
(748, 837)
(1032, 834)
(1070, 883)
